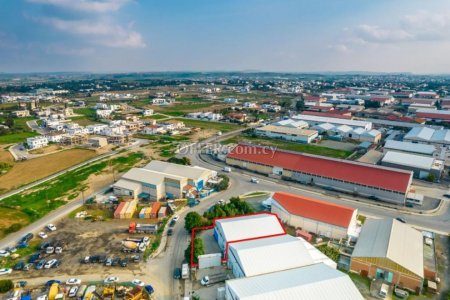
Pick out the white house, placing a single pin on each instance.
(96, 128)
(231, 101)
(147, 112)
(103, 113)
(250, 105)
(37, 142)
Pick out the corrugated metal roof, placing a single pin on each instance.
(410, 147)
(320, 119)
(175, 169)
(245, 227)
(408, 160)
(315, 209)
(148, 176)
(375, 176)
(125, 184)
(318, 282)
(271, 254)
(389, 238)
(287, 130)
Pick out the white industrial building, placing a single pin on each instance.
(246, 227)
(305, 136)
(318, 281)
(272, 254)
(292, 123)
(422, 166)
(161, 179)
(317, 120)
(427, 135)
(408, 147)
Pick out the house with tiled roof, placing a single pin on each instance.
(314, 215)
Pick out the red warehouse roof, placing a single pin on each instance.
(437, 116)
(374, 176)
(314, 209)
(331, 114)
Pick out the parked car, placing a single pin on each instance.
(137, 282)
(177, 273)
(42, 235)
(40, 264)
(50, 250)
(73, 281)
(124, 262)
(50, 282)
(101, 259)
(111, 279)
(50, 263)
(27, 267)
(4, 253)
(58, 250)
(51, 227)
(254, 180)
(169, 231)
(73, 291)
(11, 249)
(34, 257)
(44, 246)
(19, 265)
(5, 271)
(115, 262)
(108, 261)
(56, 264)
(176, 218)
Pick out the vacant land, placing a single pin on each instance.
(35, 169)
(219, 126)
(5, 156)
(292, 146)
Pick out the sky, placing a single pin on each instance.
(105, 36)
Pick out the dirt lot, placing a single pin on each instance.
(5, 156)
(34, 169)
(84, 238)
(46, 150)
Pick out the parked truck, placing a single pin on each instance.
(142, 228)
(211, 279)
(185, 271)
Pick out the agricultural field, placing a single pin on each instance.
(34, 169)
(42, 199)
(16, 137)
(315, 149)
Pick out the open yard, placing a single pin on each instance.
(5, 156)
(292, 146)
(35, 169)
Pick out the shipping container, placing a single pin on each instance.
(142, 213)
(162, 212)
(148, 212)
(124, 210)
(155, 210)
(130, 209)
(118, 210)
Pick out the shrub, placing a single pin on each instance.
(6, 285)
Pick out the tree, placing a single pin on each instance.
(192, 220)
(180, 161)
(431, 177)
(300, 104)
(6, 285)
(199, 249)
(9, 122)
(223, 184)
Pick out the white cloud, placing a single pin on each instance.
(98, 6)
(102, 32)
(378, 34)
(341, 48)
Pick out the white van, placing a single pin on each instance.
(227, 169)
(384, 290)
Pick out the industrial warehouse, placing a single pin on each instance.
(377, 182)
(160, 179)
(316, 216)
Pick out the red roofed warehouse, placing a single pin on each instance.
(316, 216)
(387, 184)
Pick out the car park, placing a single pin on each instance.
(51, 227)
(111, 279)
(5, 271)
(137, 282)
(73, 281)
(42, 235)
